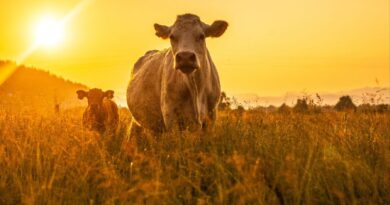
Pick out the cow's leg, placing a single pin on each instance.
(134, 135)
(135, 130)
(175, 121)
(169, 115)
(168, 120)
(210, 120)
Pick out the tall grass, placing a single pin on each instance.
(249, 158)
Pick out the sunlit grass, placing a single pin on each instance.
(249, 158)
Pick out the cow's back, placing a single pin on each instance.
(144, 90)
(141, 61)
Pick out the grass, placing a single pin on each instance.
(249, 158)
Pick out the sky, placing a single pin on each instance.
(269, 48)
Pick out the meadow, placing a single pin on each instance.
(250, 157)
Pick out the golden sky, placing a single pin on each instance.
(270, 47)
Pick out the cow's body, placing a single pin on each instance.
(162, 95)
(106, 120)
(159, 96)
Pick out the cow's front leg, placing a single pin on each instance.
(209, 123)
(169, 118)
(135, 132)
(133, 136)
(168, 115)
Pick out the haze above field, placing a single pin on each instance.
(270, 48)
(32, 87)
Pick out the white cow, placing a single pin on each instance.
(179, 86)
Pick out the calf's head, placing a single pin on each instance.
(187, 36)
(94, 112)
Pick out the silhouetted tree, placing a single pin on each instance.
(271, 108)
(382, 108)
(365, 108)
(240, 108)
(301, 105)
(368, 108)
(224, 102)
(345, 103)
(284, 108)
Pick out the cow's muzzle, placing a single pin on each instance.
(186, 62)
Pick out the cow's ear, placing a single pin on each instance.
(216, 29)
(162, 31)
(81, 94)
(109, 94)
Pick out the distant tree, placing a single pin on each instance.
(301, 106)
(271, 108)
(365, 108)
(240, 108)
(238, 111)
(284, 108)
(369, 108)
(382, 108)
(224, 102)
(345, 103)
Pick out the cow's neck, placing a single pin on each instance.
(196, 84)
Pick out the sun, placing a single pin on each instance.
(49, 32)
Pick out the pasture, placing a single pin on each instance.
(250, 157)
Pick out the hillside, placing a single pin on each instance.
(29, 87)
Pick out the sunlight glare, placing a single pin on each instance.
(49, 32)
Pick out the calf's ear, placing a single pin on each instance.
(81, 94)
(109, 94)
(162, 31)
(216, 29)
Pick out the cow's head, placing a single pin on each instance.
(188, 43)
(95, 98)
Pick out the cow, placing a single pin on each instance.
(101, 114)
(179, 86)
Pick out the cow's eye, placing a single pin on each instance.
(201, 37)
(172, 37)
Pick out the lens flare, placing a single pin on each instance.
(49, 32)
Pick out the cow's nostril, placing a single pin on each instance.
(193, 57)
(186, 56)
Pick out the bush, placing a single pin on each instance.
(301, 105)
(345, 103)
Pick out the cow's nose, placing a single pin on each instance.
(185, 57)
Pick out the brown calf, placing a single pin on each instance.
(101, 113)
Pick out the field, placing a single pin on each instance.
(251, 157)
